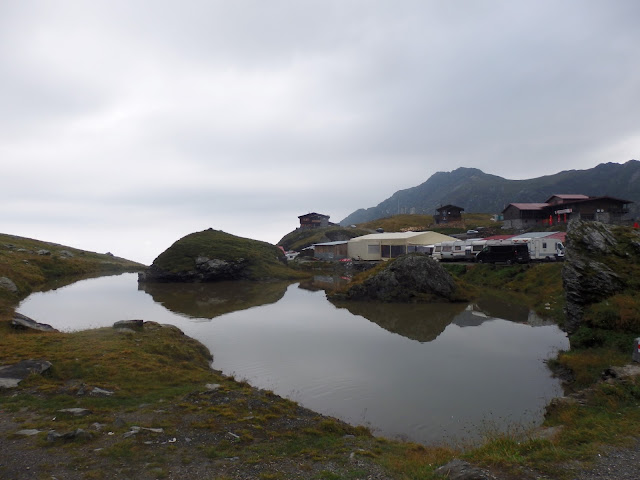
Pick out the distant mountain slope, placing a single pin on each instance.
(476, 191)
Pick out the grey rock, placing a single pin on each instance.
(8, 284)
(12, 375)
(29, 432)
(587, 280)
(406, 279)
(52, 436)
(212, 386)
(204, 269)
(78, 434)
(460, 470)
(76, 412)
(66, 254)
(132, 324)
(24, 322)
(43, 252)
(100, 392)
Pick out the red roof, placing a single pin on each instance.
(569, 196)
(529, 206)
(558, 236)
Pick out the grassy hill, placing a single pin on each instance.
(406, 222)
(262, 259)
(34, 264)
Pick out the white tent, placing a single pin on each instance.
(383, 246)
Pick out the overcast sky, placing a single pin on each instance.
(125, 125)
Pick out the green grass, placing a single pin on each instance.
(29, 271)
(264, 261)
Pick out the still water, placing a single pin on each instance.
(426, 373)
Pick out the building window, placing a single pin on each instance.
(373, 249)
(385, 251)
(397, 250)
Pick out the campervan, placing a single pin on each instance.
(543, 248)
(503, 252)
(446, 251)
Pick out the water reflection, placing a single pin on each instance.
(420, 322)
(448, 369)
(325, 282)
(209, 300)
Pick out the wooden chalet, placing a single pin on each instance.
(447, 214)
(562, 208)
(314, 220)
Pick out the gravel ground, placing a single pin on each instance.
(615, 464)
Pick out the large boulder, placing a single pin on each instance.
(406, 279)
(20, 321)
(587, 276)
(12, 375)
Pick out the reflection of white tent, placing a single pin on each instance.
(383, 246)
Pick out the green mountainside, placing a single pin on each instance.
(476, 191)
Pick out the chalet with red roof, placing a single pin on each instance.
(561, 208)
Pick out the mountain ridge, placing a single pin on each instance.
(479, 192)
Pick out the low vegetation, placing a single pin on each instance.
(302, 238)
(36, 265)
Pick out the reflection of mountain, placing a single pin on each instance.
(498, 307)
(491, 307)
(418, 321)
(208, 300)
(470, 317)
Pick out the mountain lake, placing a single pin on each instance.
(429, 373)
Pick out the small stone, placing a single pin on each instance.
(212, 386)
(8, 284)
(460, 470)
(101, 392)
(29, 432)
(52, 436)
(76, 412)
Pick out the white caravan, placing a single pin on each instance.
(543, 248)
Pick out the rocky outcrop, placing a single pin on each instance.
(204, 269)
(23, 322)
(408, 278)
(586, 277)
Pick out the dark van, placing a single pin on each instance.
(513, 253)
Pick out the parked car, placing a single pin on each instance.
(504, 253)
